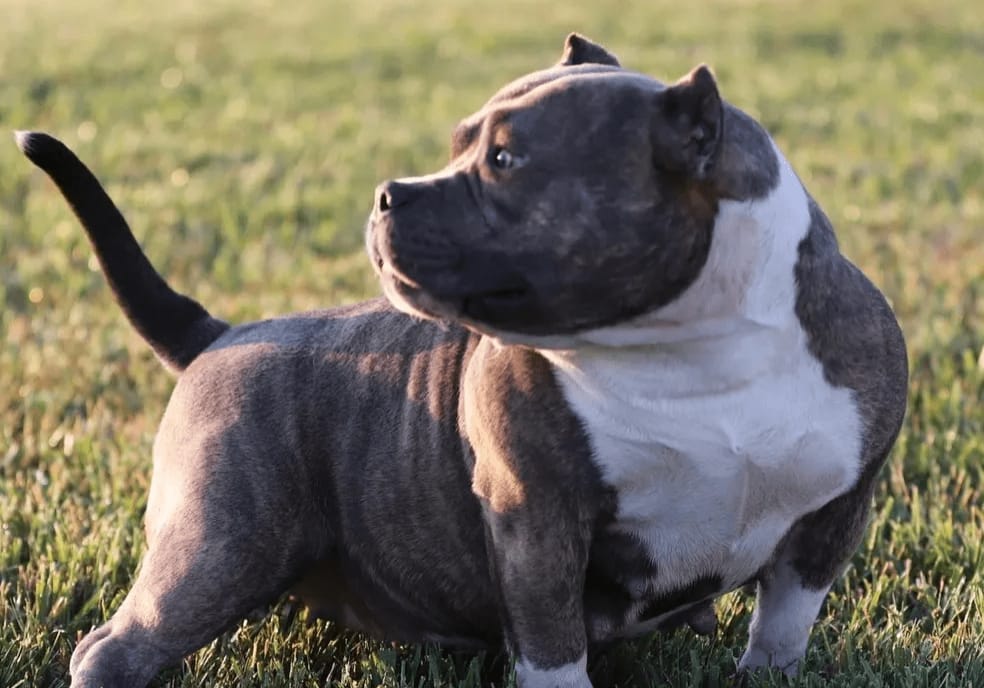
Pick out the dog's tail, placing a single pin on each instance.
(176, 327)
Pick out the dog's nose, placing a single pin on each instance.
(390, 195)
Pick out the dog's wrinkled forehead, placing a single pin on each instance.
(580, 58)
(536, 91)
(526, 84)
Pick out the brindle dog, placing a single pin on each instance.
(622, 369)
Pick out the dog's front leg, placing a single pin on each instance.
(792, 589)
(539, 559)
(785, 610)
(541, 496)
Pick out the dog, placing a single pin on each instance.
(621, 368)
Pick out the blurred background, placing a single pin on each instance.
(243, 141)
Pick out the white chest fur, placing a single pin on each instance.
(710, 417)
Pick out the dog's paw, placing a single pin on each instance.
(755, 660)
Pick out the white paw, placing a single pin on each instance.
(786, 660)
(573, 675)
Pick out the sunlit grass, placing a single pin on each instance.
(244, 139)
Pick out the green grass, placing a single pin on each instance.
(244, 139)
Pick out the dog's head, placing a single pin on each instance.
(578, 197)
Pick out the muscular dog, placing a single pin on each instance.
(621, 368)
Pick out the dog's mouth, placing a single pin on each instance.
(482, 305)
(453, 295)
(443, 283)
(496, 305)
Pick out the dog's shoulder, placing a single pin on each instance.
(523, 432)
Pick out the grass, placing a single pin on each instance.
(244, 139)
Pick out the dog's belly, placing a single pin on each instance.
(332, 591)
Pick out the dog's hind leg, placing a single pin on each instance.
(194, 583)
(785, 611)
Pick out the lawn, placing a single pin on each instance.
(243, 140)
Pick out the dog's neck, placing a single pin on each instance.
(746, 284)
(736, 318)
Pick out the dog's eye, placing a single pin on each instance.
(502, 158)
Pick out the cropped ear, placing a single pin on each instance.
(580, 50)
(688, 123)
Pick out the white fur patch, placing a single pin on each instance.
(573, 675)
(710, 416)
(22, 138)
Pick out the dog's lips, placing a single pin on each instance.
(383, 260)
(463, 301)
(409, 296)
(400, 277)
(502, 309)
(481, 305)
(477, 306)
(444, 284)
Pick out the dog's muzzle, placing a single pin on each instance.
(411, 243)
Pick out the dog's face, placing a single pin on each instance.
(577, 198)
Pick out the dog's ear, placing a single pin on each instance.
(688, 123)
(580, 50)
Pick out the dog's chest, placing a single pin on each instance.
(714, 449)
